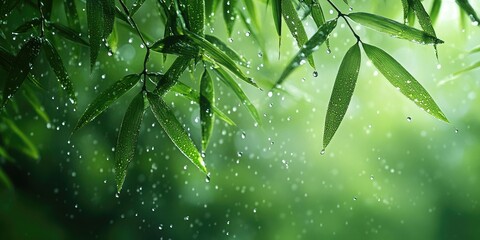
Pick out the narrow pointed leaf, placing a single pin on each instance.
(127, 138)
(435, 10)
(393, 28)
(468, 9)
(36, 105)
(27, 26)
(277, 15)
(226, 49)
(467, 69)
(310, 46)
(106, 98)
(406, 10)
(206, 105)
(403, 80)
(112, 40)
(5, 180)
(28, 148)
(67, 33)
(211, 7)
(175, 131)
(95, 28)
(170, 78)
(176, 44)
(229, 82)
(295, 26)
(21, 67)
(71, 14)
(57, 65)
(342, 92)
(318, 17)
(230, 14)
(196, 16)
(252, 12)
(108, 9)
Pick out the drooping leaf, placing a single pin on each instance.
(112, 40)
(423, 17)
(71, 14)
(136, 5)
(108, 9)
(67, 33)
(35, 103)
(5, 180)
(230, 14)
(106, 98)
(295, 26)
(21, 67)
(170, 78)
(206, 108)
(127, 138)
(435, 10)
(26, 26)
(468, 9)
(318, 17)
(196, 16)
(175, 131)
(96, 28)
(467, 69)
(177, 44)
(57, 65)
(277, 17)
(406, 9)
(310, 46)
(28, 148)
(403, 80)
(226, 49)
(474, 50)
(229, 82)
(342, 92)
(393, 28)
(252, 12)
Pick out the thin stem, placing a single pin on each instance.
(342, 15)
(42, 19)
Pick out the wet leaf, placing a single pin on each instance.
(20, 69)
(170, 78)
(206, 105)
(310, 46)
(230, 14)
(196, 16)
(127, 138)
(67, 33)
(403, 80)
(406, 10)
(277, 16)
(106, 98)
(176, 44)
(226, 49)
(112, 40)
(318, 17)
(27, 148)
(25, 27)
(435, 10)
(95, 28)
(467, 69)
(395, 29)
(71, 14)
(174, 130)
(6, 6)
(136, 5)
(229, 82)
(468, 9)
(57, 65)
(423, 17)
(295, 26)
(252, 12)
(35, 103)
(342, 92)
(108, 9)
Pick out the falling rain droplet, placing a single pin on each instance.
(207, 179)
(456, 130)
(117, 195)
(322, 152)
(315, 74)
(354, 198)
(409, 119)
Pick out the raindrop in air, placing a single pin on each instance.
(322, 152)
(117, 195)
(456, 130)
(207, 179)
(409, 119)
(315, 74)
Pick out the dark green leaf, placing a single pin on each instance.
(173, 128)
(435, 10)
(230, 14)
(136, 5)
(469, 68)
(424, 20)
(108, 9)
(226, 49)
(71, 14)
(57, 65)
(96, 28)
(106, 98)
(211, 7)
(35, 103)
(342, 92)
(6, 6)
(176, 44)
(196, 16)
(171, 76)
(468, 9)
(5, 180)
(295, 26)
(229, 82)
(318, 17)
(206, 104)
(395, 29)
(406, 10)
(28, 148)
(277, 16)
(22, 66)
(68, 33)
(127, 138)
(27, 26)
(310, 46)
(403, 80)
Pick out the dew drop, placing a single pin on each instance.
(409, 119)
(456, 130)
(315, 74)
(322, 152)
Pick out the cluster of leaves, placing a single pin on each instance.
(184, 36)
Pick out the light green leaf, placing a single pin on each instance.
(206, 104)
(112, 40)
(469, 68)
(435, 10)
(226, 49)
(342, 92)
(170, 78)
(395, 29)
(28, 148)
(57, 65)
(230, 14)
(174, 130)
(176, 44)
(295, 26)
(310, 46)
(227, 80)
(67, 33)
(252, 12)
(21, 67)
(403, 80)
(35, 22)
(106, 98)
(127, 138)
(96, 28)
(468, 9)
(211, 7)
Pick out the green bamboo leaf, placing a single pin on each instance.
(26, 26)
(310, 46)
(220, 57)
(96, 28)
(106, 98)
(206, 108)
(136, 5)
(21, 67)
(295, 26)
(112, 40)
(57, 65)
(318, 17)
(171, 76)
(467, 69)
(468, 9)
(395, 29)
(67, 33)
(177, 44)
(127, 138)
(346, 2)
(28, 148)
(230, 14)
(5, 180)
(406, 10)
(196, 16)
(252, 12)
(35, 103)
(173, 128)
(211, 7)
(342, 92)
(229, 82)
(277, 17)
(108, 9)
(435, 10)
(71, 14)
(226, 49)
(423, 17)
(474, 50)
(403, 80)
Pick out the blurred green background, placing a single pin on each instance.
(391, 172)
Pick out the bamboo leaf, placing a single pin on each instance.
(25, 27)
(403, 80)
(136, 5)
(20, 69)
(435, 10)
(171, 76)
(406, 10)
(468, 9)
(96, 28)
(67, 33)
(467, 69)
(106, 98)
(71, 14)
(112, 40)
(474, 50)
(127, 138)
(229, 82)
(211, 7)
(177, 44)
(295, 26)
(393, 28)
(174, 130)
(226, 49)
(108, 9)
(423, 17)
(57, 65)
(28, 148)
(252, 12)
(277, 16)
(342, 92)
(35, 103)
(318, 17)
(196, 16)
(310, 46)
(230, 14)
(4, 178)
(206, 104)
(6, 6)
